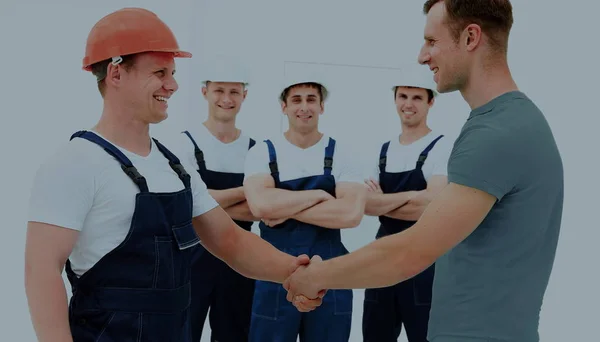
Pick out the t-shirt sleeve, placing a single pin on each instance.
(257, 160)
(203, 201)
(348, 167)
(62, 193)
(439, 156)
(485, 159)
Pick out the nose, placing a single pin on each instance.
(170, 84)
(226, 98)
(423, 57)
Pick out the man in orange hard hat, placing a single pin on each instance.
(118, 208)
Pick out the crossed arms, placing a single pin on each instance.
(274, 205)
(407, 205)
(233, 201)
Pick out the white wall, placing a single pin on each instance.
(46, 96)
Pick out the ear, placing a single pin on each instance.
(113, 75)
(245, 93)
(283, 106)
(204, 91)
(431, 102)
(472, 36)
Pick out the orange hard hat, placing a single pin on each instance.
(128, 31)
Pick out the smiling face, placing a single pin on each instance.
(444, 56)
(144, 89)
(303, 106)
(412, 105)
(224, 99)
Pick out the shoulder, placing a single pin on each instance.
(75, 157)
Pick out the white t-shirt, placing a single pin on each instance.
(218, 156)
(295, 162)
(82, 187)
(402, 158)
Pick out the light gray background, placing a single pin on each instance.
(553, 52)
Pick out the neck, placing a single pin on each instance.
(303, 140)
(224, 131)
(487, 83)
(412, 134)
(125, 131)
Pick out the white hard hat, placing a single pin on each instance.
(415, 76)
(300, 78)
(222, 68)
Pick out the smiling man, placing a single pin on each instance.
(411, 170)
(116, 208)
(217, 150)
(305, 188)
(493, 230)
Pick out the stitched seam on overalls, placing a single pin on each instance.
(106, 326)
(156, 263)
(141, 327)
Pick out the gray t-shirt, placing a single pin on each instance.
(490, 286)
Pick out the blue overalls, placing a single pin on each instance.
(274, 319)
(408, 302)
(140, 291)
(214, 283)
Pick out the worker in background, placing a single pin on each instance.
(494, 229)
(116, 208)
(305, 188)
(217, 150)
(411, 170)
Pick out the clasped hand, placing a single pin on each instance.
(303, 291)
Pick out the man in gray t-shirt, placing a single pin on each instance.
(492, 283)
(493, 230)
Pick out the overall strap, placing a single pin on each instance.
(383, 156)
(175, 164)
(126, 164)
(423, 155)
(273, 161)
(328, 162)
(252, 143)
(198, 153)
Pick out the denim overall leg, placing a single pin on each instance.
(214, 283)
(274, 319)
(140, 291)
(408, 303)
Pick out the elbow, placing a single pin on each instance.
(355, 216)
(354, 219)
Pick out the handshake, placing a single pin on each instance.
(302, 289)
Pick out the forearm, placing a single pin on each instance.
(273, 203)
(380, 204)
(228, 197)
(241, 212)
(413, 209)
(384, 262)
(335, 214)
(47, 300)
(253, 257)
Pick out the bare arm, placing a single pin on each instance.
(244, 251)
(346, 211)
(416, 205)
(241, 212)
(267, 202)
(448, 220)
(228, 197)
(379, 204)
(46, 251)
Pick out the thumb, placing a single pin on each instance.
(316, 258)
(302, 260)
